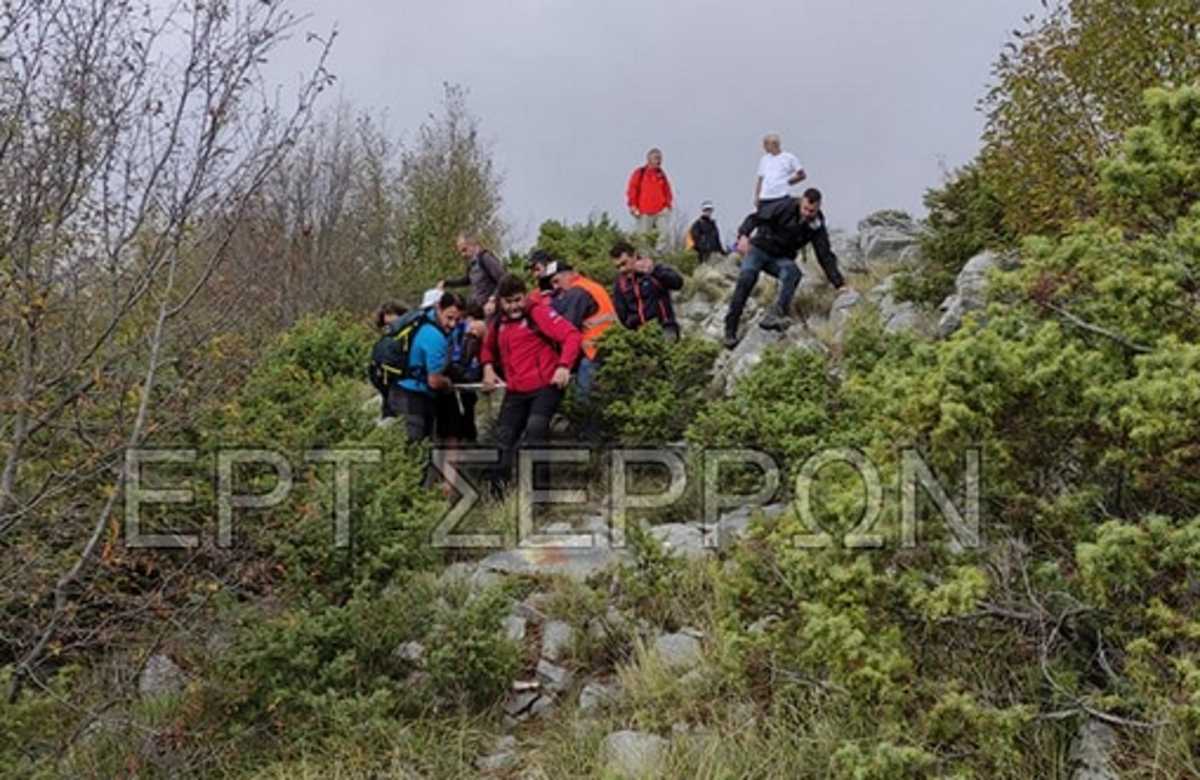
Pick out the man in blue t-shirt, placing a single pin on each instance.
(413, 396)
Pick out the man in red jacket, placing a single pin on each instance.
(649, 197)
(532, 348)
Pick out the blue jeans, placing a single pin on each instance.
(782, 268)
(585, 377)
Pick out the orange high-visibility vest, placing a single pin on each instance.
(604, 318)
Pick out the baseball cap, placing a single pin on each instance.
(706, 205)
(539, 256)
(556, 267)
(431, 297)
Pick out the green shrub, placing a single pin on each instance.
(333, 345)
(648, 389)
(585, 246)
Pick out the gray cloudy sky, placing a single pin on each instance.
(873, 96)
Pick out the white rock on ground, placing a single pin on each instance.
(682, 540)
(160, 677)
(678, 652)
(553, 677)
(970, 292)
(633, 754)
(843, 308)
(557, 638)
(412, 652)
(502, 757)
(597, 695)
(577, 564)
(1092, 751)
(885, 235)
(514, 628)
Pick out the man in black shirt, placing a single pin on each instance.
(706, 238)
(769, 239)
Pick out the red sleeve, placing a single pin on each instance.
(667, 191)
(633, 190)
(561, 330)
(487, 353)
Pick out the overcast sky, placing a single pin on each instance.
(876, 97)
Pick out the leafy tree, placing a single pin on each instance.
(1066, 88)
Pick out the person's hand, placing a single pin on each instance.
(743, 245)
(643, 265)
(441, 285)
(635, 212)
(490, 380)
(562, 376)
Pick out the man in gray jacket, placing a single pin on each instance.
(483, 270)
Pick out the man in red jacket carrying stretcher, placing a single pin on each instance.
(532, 348)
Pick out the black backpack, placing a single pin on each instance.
(389, 357)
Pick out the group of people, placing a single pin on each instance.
(532, 333)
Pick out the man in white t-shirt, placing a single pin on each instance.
(777, 171)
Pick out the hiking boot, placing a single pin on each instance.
(731, 340)
(774, 319)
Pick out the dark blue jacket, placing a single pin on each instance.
(640, 298)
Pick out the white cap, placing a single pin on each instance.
(706, 205)
(432, 296)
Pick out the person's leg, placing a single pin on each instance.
(419, 415)
(788, 274)
(585, 376)
(662, 227)
(469, 431)
(510, 425)
(752, 265)
(542, 406)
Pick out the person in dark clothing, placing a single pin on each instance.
(539, 261)
(456, 409)
(532, 348)
(642, 290)
(385, 316)
(706, 238)
(483, 271)
(769, 239)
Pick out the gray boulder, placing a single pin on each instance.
(514, 628)
(678, 652)
(844, 306)
(633, 754)
(896, 316)
(557, 638)
(577, 564)
(886, 235)
(683, 540)
(160, 677)
(1092, 751)
(597, 695)
(502, 757)
(849, 253)
(411, 652)
(555, 678)
(970, 292)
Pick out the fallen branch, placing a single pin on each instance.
(1096, 329)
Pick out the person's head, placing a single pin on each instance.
(511, 293)
(562, 274)
(473, 313)
(772, 144)
(539, 261)
(654, 158)
(388, 313)
(449, 309)
(467, 246)
(810, 203)
(623, 255)
(706, 209)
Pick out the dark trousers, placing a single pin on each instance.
(416, 409)
(782, 268)
(524, 421)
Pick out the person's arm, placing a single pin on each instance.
(757, 190)
(487, 357)
(561, 331)
(798, 177)
(620, 304)
(460, 281)
(575, 305)
(749, 224)
(436, 358)
(633, 192)
(667, 191)
(825, 256)
(668, 277)
(717, 236)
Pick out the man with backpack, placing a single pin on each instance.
(456, 409)
(483, 270)
(780, 228)
(642, 291)
(532, 348)
(412, 356)
(649, 196)
(385, 316)
(587, 306)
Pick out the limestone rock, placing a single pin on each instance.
(1091, 753)
(577, 564)
(885, 235)
(683, 540)
(597, 695)
(555, 678)
(633, 754)
(678, 652)
(160, 677)
(557, 638)
(514, 628)
(502, 757)
(970, 292)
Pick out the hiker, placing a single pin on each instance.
(769, 240)
(539, 261)
(483, 270)
(649, 197)
(456, 409)
(704, 235)
(385, 316)
(589, 308)
(412, 395)
(642, 291)
(777, 172)
(532, 348)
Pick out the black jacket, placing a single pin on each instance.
(640, 298)
(777, 229)
(705, 236)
